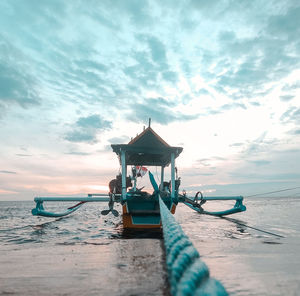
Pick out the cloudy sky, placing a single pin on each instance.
(219, 78)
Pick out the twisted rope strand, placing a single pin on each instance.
(188, 274)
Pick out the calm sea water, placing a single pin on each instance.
(90, 254)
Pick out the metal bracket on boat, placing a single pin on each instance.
(38, 209)
(195, 202)
(202, 201)
(110, 206)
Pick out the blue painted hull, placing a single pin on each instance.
(141, 210)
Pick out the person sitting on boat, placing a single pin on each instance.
(115, 185)
(166, 186)
(165, 189)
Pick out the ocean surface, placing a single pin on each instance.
(256, 252)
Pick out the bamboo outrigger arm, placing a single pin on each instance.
(197, 205)
(40, 211)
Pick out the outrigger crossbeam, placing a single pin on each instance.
(40, 211)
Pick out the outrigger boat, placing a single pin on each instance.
(140, 208)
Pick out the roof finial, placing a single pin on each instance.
(149, 122)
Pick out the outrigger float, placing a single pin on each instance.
(140, 208)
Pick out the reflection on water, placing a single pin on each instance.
(271, 242)
(252, 253)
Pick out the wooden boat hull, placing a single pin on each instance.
(141, 214)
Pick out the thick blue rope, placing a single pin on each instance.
(188, 274)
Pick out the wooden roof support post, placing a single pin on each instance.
(124, 173)
(134, 183)
(173, 175)
(162, 178)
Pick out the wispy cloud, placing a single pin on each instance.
(8, 172)
(77, 153)
(228, 107)
(17, 84)
(209, 163)
(295, 132)
(258, 146)
(159, 110)
(237, 144)
(291, 115)
(291, 86)
(119, 140)
(4, 191)
(87, 128)
(286, 98)
(259, 162)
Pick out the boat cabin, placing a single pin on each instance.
(141, 209)
(147, 149)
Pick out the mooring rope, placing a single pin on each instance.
(271, 192)
(188, 274)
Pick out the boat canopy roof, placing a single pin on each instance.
(147, 148)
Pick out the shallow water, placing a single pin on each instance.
(82, 254)
(90, 254)
(248, 261)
